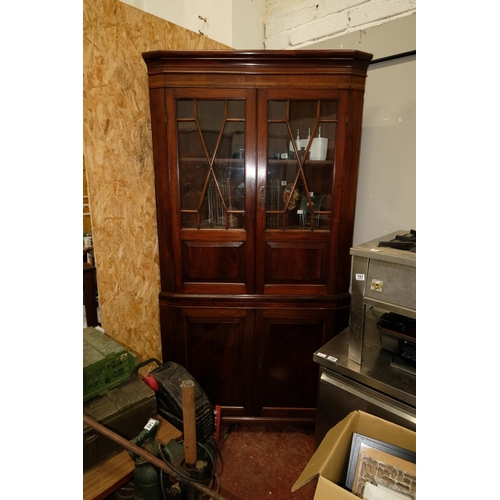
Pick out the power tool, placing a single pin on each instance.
(179, 470)
(152, 483)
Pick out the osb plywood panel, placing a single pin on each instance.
(119, 165)
(87, 223)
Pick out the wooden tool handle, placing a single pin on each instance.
(189, 419)
(146, 455)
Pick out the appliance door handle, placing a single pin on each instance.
(325, 377)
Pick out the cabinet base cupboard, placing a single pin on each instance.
(256, 162)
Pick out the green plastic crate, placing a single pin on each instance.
(106, 363)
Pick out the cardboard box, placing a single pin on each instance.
(330, 461)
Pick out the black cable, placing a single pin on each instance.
(144, 363)
(394, 56)
(167, 415)
(212, 459)
(163, 494)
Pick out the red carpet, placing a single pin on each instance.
(263, 462)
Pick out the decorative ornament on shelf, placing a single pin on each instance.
(294, 197)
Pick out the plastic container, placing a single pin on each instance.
(319, 149)
(106, 364)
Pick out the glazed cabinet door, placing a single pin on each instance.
(216, 346)
(212, 172)
(299, 186)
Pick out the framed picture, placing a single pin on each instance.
(380, 463)
(380, 492)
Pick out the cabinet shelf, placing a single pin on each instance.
(291, 161)
(199, 159)
(240, 161)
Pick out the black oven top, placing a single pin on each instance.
(406, 241)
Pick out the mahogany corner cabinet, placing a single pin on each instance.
(256, 164)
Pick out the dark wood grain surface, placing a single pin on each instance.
(246, 300)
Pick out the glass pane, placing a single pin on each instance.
(236, 109)
(185, 108)
(189, 220)
(323, 144)
(282, 197)
(192, 176)
(277, 110)
(230, 178)
(274, 203)
(210, 116)
(300, 180)
(189, 141)
(328, 110)
(218, 210)
(232, 142)
(211, 147)
(316, 199)
(213, 213)
(303, 119)
(279, 141)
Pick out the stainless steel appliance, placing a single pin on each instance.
(356, 373)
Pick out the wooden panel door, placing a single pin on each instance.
(286, 375)
(216, 346)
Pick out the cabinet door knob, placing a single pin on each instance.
(262, 196)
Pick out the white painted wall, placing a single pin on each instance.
(296, 23)
(248, 24)
(236, 23)
(275, 24)
(386, 197)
